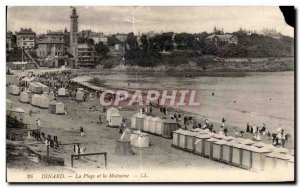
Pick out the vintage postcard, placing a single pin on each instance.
(150, 94)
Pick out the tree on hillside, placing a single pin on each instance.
(101, 49)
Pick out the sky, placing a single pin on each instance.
(126, 19)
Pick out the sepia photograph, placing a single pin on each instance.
(150, 94)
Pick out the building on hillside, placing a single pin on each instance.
(271, 33)
(87, 56)
(98, 37)
(10, 41)
(51, 45)
(221, 40)
(26, 38)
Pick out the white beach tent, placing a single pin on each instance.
(14, 90)
(8, 104)
(139, 139)
(277, 161)
(158, 125)
(60, 108)
(79, 95)
(176, 137)
(133, 120)
(152, 125)
(200, 142)
(44, 101)
(35, 100)
(111, 111)
(258, 158)
(52, 107)
(62, 92)
(182, 138)
(140, 122)
(115, 119)
(36, 87)
(247, 156)
(208, 147)
(24, 97)
(218, 149)
(45, 88)
(236, 153)
(190, 140)
(146, 123)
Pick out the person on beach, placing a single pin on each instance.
(247, 128)
(38, 123)
(225, 131)
(81, 131)
(30, 111)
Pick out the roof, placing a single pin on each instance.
(226, 36)
(26, 31)
(116, 114)
(19, 110)
(47, 41)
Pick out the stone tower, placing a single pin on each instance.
(73, 36)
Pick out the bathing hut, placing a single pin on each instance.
(35, 100)
(44, 101)
(140, 139)
(79, 96)
(133, 120)
(62, 92)
(60, 108)
(208, 147)
(52, 107)
(258, 158)
(24, 97)
(199, 142)
(182, 138)
(45, 88)
(176, 137)
(8, 104)
(218, 149)
(146, 123)
(168, 127)
(36, 87)
(140, 122)
(227, 152)
(152, 125)
(276, 160)
(111, 111)
(115, 120)
(247, 156)
(190, 141)
(236, 159)
(14, 90)
(158, 126)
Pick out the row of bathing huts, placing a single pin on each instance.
(239, 152)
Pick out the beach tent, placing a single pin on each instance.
(139, 139)
(176, 137)
(51, 96)
(24, 97)
(111, 111)
(62, 92)
(227, 152)
(35, 100)
(79, 95)
(158, 125)
(278, 161)
(8, 104)
(44, 101)
(140, 122)
(146, 123)
(208, 147)
(16, 113)
(26, 80)
(36, 87)
(14, 90)
(52, 107)
(115, 119)
(168, 127)
(218, 149)
(190, 141)
(152, 125)
(199, 142)
(236, 154)
(258, 158)
(133, 120)
(182, 138)
(60, 108)
(126, 135)
(45, 88)
(247, 156)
